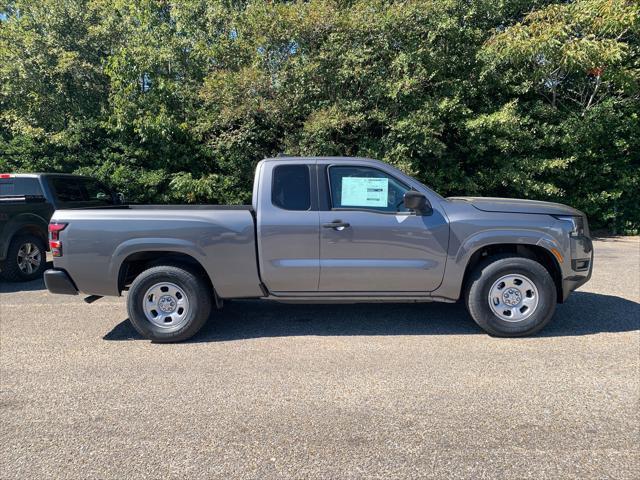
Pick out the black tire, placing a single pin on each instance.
(490, 271)
(10, 267)
(195, 288)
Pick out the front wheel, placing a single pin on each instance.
(511, 296)
(168, 303)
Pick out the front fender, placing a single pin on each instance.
(500, 237)
(459, 257)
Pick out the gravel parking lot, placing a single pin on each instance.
(347, 391)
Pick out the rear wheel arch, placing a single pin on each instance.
(136, 263)
(22, 229)
(534, 252)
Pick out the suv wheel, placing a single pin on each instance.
(511, 296)
(168, 303)
(26, 259)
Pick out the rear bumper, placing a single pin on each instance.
(59, 281)
(581, 265)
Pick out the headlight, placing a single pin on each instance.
(577, 224)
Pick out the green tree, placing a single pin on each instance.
(574, 71)
(176, 101)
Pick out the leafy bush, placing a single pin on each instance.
(176, 101)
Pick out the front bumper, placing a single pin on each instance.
(59, 281)
(581, 265)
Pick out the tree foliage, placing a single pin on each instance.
(176, 101)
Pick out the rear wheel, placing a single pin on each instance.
(511, 296)
(26, 259)
(168, 303)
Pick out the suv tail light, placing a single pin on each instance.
(55, 245)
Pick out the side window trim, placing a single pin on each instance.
(360, 209)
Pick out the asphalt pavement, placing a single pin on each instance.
(333, 391)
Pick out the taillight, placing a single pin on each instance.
(6, 175)
(55, 245)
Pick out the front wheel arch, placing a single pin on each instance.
(533, 252)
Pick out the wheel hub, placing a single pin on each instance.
(167, 304)
(512, 297)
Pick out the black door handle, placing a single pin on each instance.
(336, 224)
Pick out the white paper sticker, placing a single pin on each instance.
(364, 192)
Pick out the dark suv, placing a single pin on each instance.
(27, 202)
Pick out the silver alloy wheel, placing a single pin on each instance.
(166, 305)
(29, 258)
(513, 298)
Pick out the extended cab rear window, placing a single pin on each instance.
(291, 188)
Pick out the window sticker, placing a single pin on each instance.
(364, 192)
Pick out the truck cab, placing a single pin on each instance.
(323, 222)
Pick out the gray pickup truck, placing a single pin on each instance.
(325, 229)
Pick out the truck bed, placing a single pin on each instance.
(220, 238)
(174, 207)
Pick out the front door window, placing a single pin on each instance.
(364, 188)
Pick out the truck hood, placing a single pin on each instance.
(514, 205)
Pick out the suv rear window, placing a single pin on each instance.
(69, 190)
(291, 189)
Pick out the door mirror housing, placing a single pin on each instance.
(417, 202)
(120, 198)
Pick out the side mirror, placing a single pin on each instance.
(120, 198)
(417, 202)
